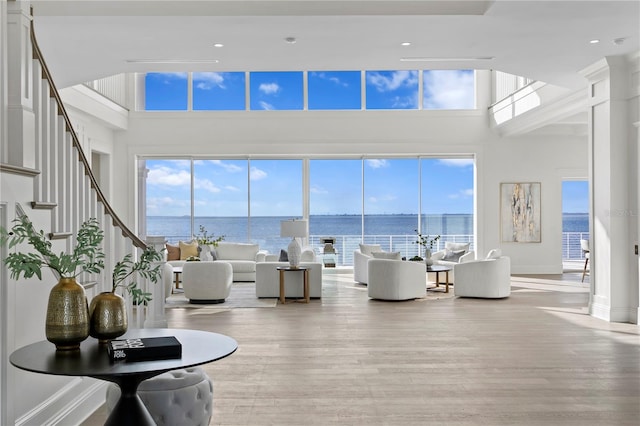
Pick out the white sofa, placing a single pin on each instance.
(486, 278)
(268, 280)
(396, 279)
(242, 257)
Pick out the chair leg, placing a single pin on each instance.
(584, 271)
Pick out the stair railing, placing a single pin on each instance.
(68, 187)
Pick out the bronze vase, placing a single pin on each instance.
(108, 315)
(67, 322)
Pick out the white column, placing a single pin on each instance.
(4, 105)
(637, 212)
(20, 117)
(611, 209)
(156, 317)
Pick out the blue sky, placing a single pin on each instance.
(391, 187)
(327, 90)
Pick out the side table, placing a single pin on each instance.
(437, 269)
(198, 347)
(305, 280)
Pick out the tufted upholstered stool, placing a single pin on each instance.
(180, 397)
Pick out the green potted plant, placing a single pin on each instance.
(108, 315)
(207, 242)
(427, 242)
(67, 319)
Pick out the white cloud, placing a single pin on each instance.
(449, 89)
(207, 185)
(232, 188)
(269, 88)
(377, 164)
(168, 176)
(318, 190)
(257, 174)
(266, 106)
(209, 80)
(405, 102)
(457, 162)
(228, 167)
(397, 79)
(463, 193)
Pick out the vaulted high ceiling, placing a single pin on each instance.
(543, 40)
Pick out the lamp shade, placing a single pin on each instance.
(293, 228)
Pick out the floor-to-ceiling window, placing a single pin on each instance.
(275, 195)
(220, 191)
(391, 202)
(447, 199)
(335, 204)
(372, 200)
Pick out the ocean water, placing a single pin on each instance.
(393, 232)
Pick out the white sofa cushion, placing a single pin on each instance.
(237, 251)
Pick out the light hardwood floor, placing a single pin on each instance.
(535, 358)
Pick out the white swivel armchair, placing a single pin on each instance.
(207, 282)
(396, 279)
(486, 278)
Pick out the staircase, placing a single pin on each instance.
(66, 191)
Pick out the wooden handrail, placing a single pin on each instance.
(37, 54)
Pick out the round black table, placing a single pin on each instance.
(92, 360)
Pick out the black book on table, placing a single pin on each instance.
(144, 349)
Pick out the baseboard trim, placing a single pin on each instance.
(72, 404)
(607, 313)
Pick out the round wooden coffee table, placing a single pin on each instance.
(441, 268)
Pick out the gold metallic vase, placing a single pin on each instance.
(108, 315)
(67, 322)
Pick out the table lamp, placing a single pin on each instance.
(294, 228)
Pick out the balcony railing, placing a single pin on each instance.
(346, 244)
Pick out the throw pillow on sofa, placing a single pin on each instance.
(284, 256)
(453, 255)
(173, 252)
(392, 255)
(188, 249)
(369, 248)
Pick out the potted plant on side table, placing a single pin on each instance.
(207, 243)
(67, 319)
(427, 242)
(108, 314)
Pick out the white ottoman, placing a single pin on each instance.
(179, 397)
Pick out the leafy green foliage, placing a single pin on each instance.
(144, 267)
(204, 239)
(87, 256)
(425, 240)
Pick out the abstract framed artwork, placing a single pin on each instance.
(520, 212)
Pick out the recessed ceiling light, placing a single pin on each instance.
(218, 45)
(172, 61)
(290, 40)
(594, 41)
(405, 43)
(437, 59)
